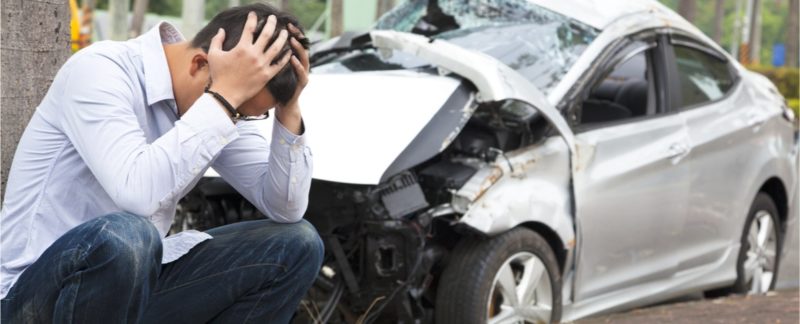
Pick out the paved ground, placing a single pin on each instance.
(775, 307)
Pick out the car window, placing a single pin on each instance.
(626, 92)
(703, 77)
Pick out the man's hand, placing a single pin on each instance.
(289, 114)
(240, 73)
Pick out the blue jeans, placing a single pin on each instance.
(109, 270)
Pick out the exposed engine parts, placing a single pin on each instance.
(385, 244)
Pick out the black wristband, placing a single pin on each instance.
(235, 114)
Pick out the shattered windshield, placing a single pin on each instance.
(538, 43)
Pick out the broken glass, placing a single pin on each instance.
(540, 44)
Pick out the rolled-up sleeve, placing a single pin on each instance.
(275, 176)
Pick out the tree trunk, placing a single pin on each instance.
(687, 9)
(337, 18)
(285, 5)
(118, 12)
(792, 53)
(233, 3)
(137, 21)
(36, 42)
(719, 16)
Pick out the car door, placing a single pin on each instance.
(725, 130)
(631, 181)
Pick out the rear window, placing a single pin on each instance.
(703, 78)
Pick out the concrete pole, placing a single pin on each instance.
(737, 27)
(337, 18)
(744, 48)
(792, 39)
(719, 16)
(748, 12)
(755, 30)
(382, 7)
(193, 14)
(687, 9)
(118, 11)
(233, 3)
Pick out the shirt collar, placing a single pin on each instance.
(158, 82)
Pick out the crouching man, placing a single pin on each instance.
(127, 129)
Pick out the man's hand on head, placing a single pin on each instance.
(300, 63)
(289, 113)
(240, 73)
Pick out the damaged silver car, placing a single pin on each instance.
(510, 161)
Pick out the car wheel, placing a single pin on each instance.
(759, 255)
(511, 278)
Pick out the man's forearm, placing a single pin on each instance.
(290, 117)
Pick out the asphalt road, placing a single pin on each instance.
(775, 307)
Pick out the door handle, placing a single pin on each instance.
(677, 151)
(755, 120)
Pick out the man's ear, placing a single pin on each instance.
(199, 63)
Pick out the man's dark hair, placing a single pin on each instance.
(282, 86)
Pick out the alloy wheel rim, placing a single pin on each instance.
(521, 291)
(759, 264)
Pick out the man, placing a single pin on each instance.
(125, 130)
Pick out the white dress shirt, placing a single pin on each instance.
(107, 138)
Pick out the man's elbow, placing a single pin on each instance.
(287, 215)
(137, 204)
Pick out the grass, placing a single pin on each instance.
(795, 105)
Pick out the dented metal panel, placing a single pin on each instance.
(495, 81)
(501, 196)
(528, 185)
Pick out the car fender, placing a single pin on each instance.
(532, 184)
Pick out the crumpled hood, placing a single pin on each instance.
(358, 123)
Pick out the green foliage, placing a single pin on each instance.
(795, 105)
(788, 82)
(307, 11)
(160, 7)
(774, 18)
(786, 79)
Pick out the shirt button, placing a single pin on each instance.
(294, 180)
(282, 141)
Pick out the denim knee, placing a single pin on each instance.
(129, 238)
(308, 241)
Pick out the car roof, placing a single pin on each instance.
(601, 13)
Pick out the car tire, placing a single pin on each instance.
(759, 252)
(470, 288)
